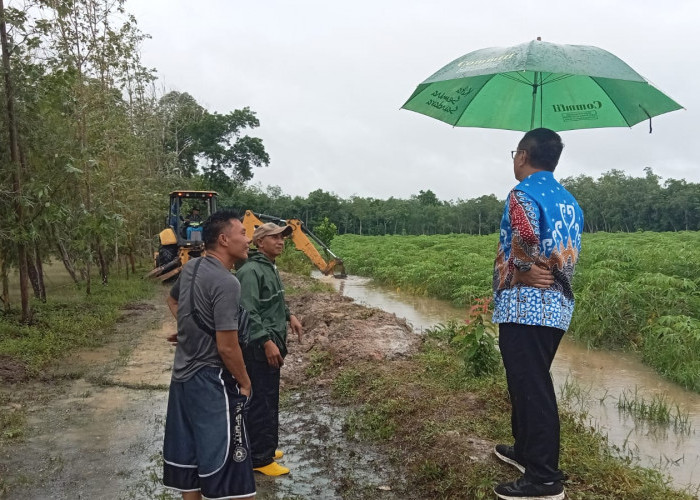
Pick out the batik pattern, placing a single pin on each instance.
(541, 225)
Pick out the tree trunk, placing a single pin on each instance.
(132, 261)
(103, 263)
(33, 274)
(67, 262)
(5, 286)
(17, 172)
(40, 272)
(88, 278)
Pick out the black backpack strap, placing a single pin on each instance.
(193, 311)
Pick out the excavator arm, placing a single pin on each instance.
(303, 240)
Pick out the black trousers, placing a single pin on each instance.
(528, 352)
(263, 413)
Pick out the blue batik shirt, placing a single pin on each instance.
(541, 225)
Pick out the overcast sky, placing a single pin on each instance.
(327, 79)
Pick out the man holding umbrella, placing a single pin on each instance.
(533, 303)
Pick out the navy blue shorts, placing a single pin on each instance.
(206, 445)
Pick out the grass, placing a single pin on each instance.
(444, 422)
(634, 291)
(319, 363)
(69, 320)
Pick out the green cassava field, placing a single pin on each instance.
(637, 291)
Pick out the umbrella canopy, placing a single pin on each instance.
(539, 84)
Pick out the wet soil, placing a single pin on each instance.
(94, 422)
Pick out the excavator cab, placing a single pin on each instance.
(181, 240)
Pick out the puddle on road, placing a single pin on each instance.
(601, 375)
(90, 444)
(94, 437)
(323, 462)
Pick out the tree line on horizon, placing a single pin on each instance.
(615, 202)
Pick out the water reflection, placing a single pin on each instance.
(599, 378)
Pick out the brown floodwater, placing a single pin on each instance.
(593, 379)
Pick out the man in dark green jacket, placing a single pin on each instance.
(262, 295)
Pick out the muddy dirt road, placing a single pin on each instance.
(95, 421)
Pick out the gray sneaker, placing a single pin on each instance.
(507, 454)
(522, 489)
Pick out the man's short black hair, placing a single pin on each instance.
(215, 224)
(543, 147)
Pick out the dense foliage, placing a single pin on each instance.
(633, 291)
(90, 150)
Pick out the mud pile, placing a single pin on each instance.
(347, 331)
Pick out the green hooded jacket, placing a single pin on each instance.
(262, 295)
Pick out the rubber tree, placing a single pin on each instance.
(17, 168)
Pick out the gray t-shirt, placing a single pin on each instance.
(217, 295)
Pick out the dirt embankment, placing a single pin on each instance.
(93, 423)
(347, 331)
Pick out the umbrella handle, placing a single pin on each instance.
(535, 86)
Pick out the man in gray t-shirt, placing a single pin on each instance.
(205, 448)
(217, 294)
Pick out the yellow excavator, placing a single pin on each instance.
(302, 239)
(181, 240)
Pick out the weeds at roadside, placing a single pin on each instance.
(372, 422)
(573, 395)
(150, 485)
(318, 364)
(12, 422)
(346, 385)
(476, 340)
(104, 381)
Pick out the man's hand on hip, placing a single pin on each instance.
(536, 276)
(273, 355)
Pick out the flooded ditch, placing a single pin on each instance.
(594, 380)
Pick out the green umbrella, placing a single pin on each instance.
(539, 84)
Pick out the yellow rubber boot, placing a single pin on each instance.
(273, 469)
(278, 454)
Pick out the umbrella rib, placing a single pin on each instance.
(516, 78)
(557, 78)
